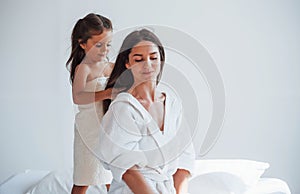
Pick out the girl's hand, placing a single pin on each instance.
(113, 92)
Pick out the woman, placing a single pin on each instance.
(148, 152)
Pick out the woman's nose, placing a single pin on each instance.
(147, 63)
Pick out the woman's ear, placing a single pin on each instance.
(82, 45)
(127, 65)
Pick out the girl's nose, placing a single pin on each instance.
(104, 47)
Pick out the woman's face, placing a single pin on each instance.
(97, 47)
(144, 62)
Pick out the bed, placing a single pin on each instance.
(216, 176)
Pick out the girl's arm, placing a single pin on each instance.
(136, 182)
(181, 181)
(79, 95)
(89, 97)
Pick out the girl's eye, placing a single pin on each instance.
(153, 58)
(99, 45)
(138, 60)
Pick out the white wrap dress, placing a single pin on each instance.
(134, 138)
(88, 170)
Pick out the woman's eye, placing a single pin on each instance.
(154, 58)
(138, 60)
(98, 45)
(108, 45)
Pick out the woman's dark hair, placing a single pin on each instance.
(85, 28)
(121, 77)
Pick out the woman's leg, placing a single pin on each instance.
(79, 189)
(107, 187)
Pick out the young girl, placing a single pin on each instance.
(149, 150)
(89, 71)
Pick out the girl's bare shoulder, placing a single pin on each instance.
(109, 68)
(83, 68)
(111, 65)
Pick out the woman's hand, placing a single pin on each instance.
(136, 182)
(181, 181)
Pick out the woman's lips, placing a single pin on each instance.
(147, 72)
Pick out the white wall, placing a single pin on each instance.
(255, 45)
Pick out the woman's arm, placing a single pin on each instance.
(136, 182)
(181, 181)
(120, 136)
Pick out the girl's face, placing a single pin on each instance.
(97, 47)
(144, 61)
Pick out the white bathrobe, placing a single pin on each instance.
(129, 136)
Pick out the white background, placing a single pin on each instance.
(255, 44)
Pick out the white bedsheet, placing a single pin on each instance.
(224, 183)
(212, 177)
(21, 182)
(270, 185)
(208, 184)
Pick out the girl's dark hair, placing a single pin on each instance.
(121, 77)
(85, 28)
